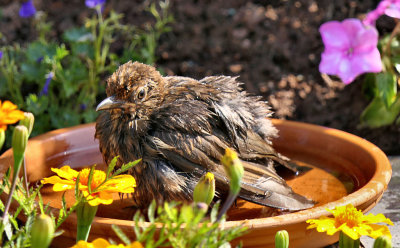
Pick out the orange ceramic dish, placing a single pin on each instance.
(325, 149)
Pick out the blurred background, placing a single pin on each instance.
(273, 46)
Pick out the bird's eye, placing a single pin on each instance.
(141, 94)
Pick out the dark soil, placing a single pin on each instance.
(274, 46)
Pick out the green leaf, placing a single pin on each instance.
(83, 50)
(169, 211)
(63, 117)
(377, 114)
(89, 115)
(396, 62)
(126, 167)
(8, 228)
(186, 214)
(369, 88)
(34, 72)
(77, 35)
(77, 192)
(90, 178)
(151, 211)
(37, 105)
(111, 166)
(36, 50)
(121, 234)
(214, 212)
(387, 88)
(63, 209)
(61, 52)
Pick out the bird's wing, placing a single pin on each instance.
(190, 136)
(245, 121)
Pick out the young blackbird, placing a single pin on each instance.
(180, 128)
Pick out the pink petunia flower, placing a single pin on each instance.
(385, 7)
(350, 49)
(393, 10)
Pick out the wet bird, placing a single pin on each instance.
(180, 128)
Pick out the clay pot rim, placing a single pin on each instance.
(377, 183)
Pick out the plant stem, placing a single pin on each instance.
(9, 199)
(82, 232)
(347, 242)
(227, 204)
(25, 179)
(388, 48)
(85, 213)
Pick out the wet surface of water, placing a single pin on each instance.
(321, 185)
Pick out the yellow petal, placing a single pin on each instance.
(379, 218)
(362, 229)
(121, 181)
(62, 187)
(135, 244)
(83, 244)
(13, 117)
(56, 179)
(349, 232)
(7, 105)
(97, 201)
(3, 127)
(66, 172)
(100, 243)
(85, 193)
(379, 230)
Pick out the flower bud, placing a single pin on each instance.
(28, 121)
(19, 142)
(282, 239)
(201, 206)
(42, 231)
(205, 189)
(233, 168)
(383, 242)
(19, 139)
(2, 138)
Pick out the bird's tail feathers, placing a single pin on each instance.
(270, 190)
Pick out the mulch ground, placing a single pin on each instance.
(274, 46)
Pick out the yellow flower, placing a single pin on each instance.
(101, 193)
(9, 114)
(102, 243)
(351, 222)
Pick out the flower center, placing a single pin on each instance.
(98, 177)
(351, 216)
(350, 51)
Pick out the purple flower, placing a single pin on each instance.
(94, 3)
(45, 89)
(350, 49)
(1, 54)
(40, 59)
(27, 9)
(83, 106)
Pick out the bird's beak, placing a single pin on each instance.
(109, 103)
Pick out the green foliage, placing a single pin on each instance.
(181, 225)
(29, 199)
(78, 63)
(15, 233)
(384, 108)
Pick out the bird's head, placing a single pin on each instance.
(134, 90)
